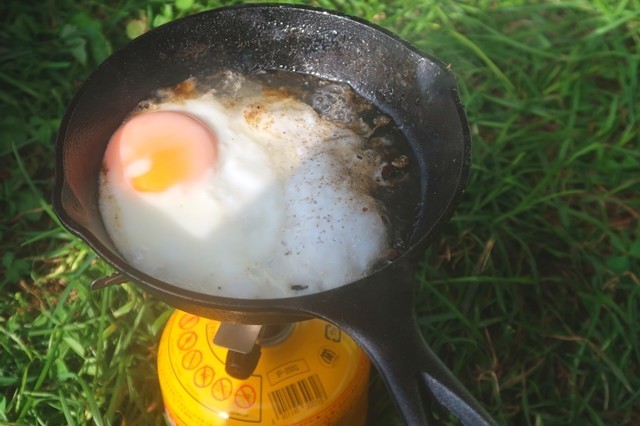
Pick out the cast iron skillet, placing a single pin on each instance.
(415, 89)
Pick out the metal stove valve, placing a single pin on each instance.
(244, 343)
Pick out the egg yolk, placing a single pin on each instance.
(160, 149)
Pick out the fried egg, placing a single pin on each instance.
(258, 197)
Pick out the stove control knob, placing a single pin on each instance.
(242, 365)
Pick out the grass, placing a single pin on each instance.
(531, 293)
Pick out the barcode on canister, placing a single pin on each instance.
(292, 398)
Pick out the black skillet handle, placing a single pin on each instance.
(414, 374)
(379, 316)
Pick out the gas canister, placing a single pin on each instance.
(315, 375)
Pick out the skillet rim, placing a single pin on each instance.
(170, 292)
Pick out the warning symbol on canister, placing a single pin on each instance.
(187, 340)
(245, 396)
(188, 321)
(203, 376)
(329, 357)
(221, 389)
(331, 332)
(191, 359)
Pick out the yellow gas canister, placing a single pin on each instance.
(316, 375)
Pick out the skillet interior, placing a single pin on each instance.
(415, 89)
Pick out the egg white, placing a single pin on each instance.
(285, 207)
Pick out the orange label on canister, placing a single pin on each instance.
(316, 376)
